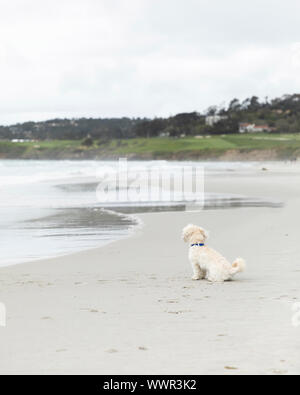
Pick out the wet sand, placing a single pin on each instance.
(132, 308)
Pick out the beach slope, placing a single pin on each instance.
(132, 308)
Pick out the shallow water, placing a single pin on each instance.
(50, 208)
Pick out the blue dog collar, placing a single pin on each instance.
(198, 245)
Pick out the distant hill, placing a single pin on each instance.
(281, 115)
(72, 129)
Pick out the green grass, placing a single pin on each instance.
(216, 145)
(165, 145)
(286, 145)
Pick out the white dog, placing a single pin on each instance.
(207, 263)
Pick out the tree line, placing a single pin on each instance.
(281, 114)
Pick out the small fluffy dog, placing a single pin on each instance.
(207, 263)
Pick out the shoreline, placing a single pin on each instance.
(131, 308)
(131, 231)
(72, 220)
(224, 156)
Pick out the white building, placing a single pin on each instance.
(22, 141)
(211, 120)
(253, 128)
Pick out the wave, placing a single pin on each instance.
(21, 172)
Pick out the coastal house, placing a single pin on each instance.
(211, 120)
(22, 141)
(253, 128)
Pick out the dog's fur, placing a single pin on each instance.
(207, 263)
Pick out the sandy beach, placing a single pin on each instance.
(131, 307)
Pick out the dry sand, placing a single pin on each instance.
(132, 308)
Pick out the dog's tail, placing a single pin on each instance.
(238, 266)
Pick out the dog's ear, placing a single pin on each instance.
(205, 233)
(187, 232)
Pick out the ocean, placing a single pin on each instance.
(53, 208)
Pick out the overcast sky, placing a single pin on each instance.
(111, 58)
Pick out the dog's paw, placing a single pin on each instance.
(196, 278)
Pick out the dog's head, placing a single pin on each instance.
(194, 234)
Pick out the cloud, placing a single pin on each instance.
(142, 57)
